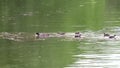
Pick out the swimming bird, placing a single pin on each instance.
(106, 35)
(42, 35)
(77, 35)
(112, 36)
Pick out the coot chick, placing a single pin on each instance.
(106, 35)
(77, 35)
(112, 36)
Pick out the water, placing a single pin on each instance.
(20, 20)
(104, 55)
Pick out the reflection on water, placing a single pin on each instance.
(99, 52)
(96, 61)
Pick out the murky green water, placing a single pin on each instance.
(91, 17)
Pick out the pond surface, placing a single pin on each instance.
(20, 20)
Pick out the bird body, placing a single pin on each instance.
(112, 36)
(77, 34)
(106, 35)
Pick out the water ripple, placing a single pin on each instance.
(96, 61)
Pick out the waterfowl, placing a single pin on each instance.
(112, 36)
(42, 35)
(106, 35)
(77, 34)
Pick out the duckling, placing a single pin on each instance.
(106, 35)
(77, 34)
(112, 36)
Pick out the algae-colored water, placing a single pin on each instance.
(90, 17)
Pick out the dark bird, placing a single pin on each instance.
(77, 35)
(106, 35)
(112, 36)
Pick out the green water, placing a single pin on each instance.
(50, 16)
(87, 16)
(39, 54)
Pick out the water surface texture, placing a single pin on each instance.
(21, 19)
